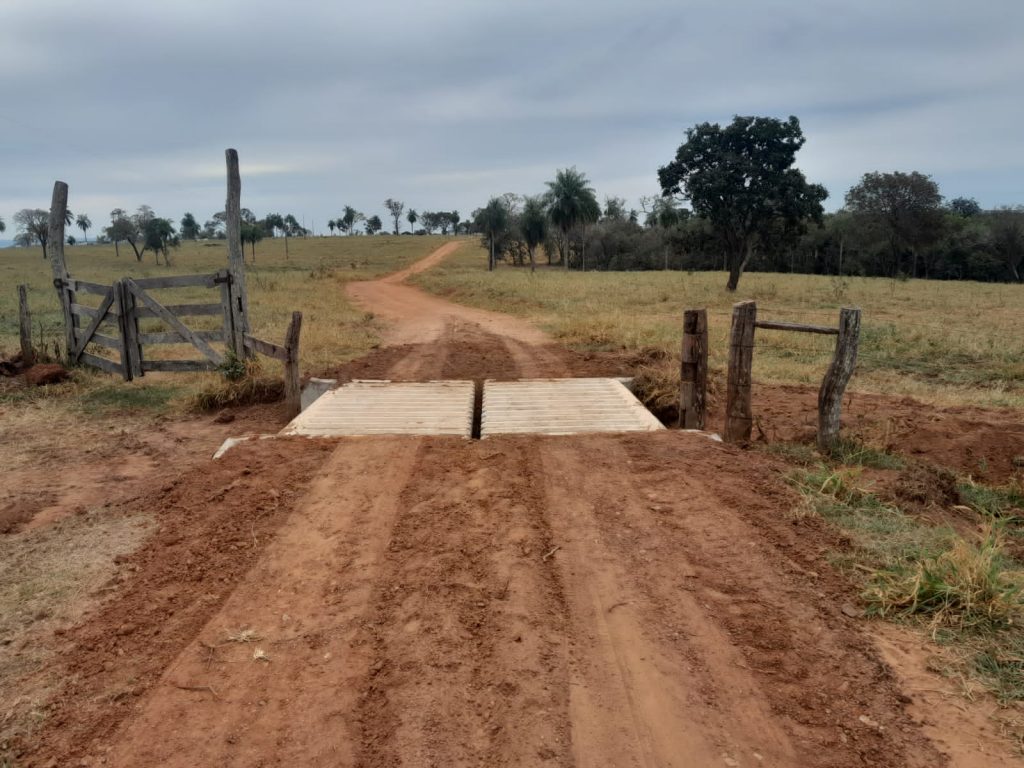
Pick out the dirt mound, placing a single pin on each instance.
(981, 443)
(927, 485)
(46, 373)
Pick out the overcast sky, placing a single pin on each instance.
(443, 104)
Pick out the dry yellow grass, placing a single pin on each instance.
(311, 279)
(943, 342)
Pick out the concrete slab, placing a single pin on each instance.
(562, 407)
(389, 408)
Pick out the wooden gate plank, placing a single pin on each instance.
(97, 319)
(162, 312)
(100, 362)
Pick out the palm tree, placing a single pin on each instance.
(533, 222)
(331, 225)
(412, 216)
(84, 224)
(3, 227)
(571, 203)
(493, 222)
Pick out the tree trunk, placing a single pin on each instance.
(736, 264)
(286, 245)
(533, 263)
(490, 256)
(138, 253)
(117, 250)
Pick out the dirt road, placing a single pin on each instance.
(603, 600)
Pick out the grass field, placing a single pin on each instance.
(310, 279)
(944, 342)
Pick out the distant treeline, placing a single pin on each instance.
(751, 208)
(958, 241)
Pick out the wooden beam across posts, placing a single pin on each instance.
(775, 325)
(28, 355)
(236, 257)
(292, 391)
(738, 414)
(830, 396)
(693, 378)
(55, 253)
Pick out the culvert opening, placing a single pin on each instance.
(478, 408)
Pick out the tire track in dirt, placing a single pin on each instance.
(469, 620)
(219, 703)
(212, 527)
(708, 594)
(653, 687)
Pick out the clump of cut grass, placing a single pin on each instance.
(967, 587)
(250, 387)
(232, 394)
(657, 387)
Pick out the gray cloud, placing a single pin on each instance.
(443, 104)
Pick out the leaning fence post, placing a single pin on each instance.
(738, 414)
(292, 394)
(693, 380)
(830, 396)
(236, 257)
(55, 253)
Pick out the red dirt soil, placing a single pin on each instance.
(601, 600)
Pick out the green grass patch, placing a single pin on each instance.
(1005, 502)
(968, 594)
(855, 453)
(135, 397)
(882, 535)
(999, 664)
(801, 454)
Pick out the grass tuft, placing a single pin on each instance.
(247, 388)
(853, 452)
(967, 587)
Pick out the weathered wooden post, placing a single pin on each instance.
(292, 393)
(28, 355)
(830, 396)
(693, 380)
(236, 258)
(738, 414)
(55, 253)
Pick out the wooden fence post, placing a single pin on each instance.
(28, 355)
(236, 257)
(55, 253)
(738, 414)
(292, 392)
(830, 396)
(693, 380)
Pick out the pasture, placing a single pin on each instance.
(945, 343)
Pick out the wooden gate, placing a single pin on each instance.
(130, 300)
